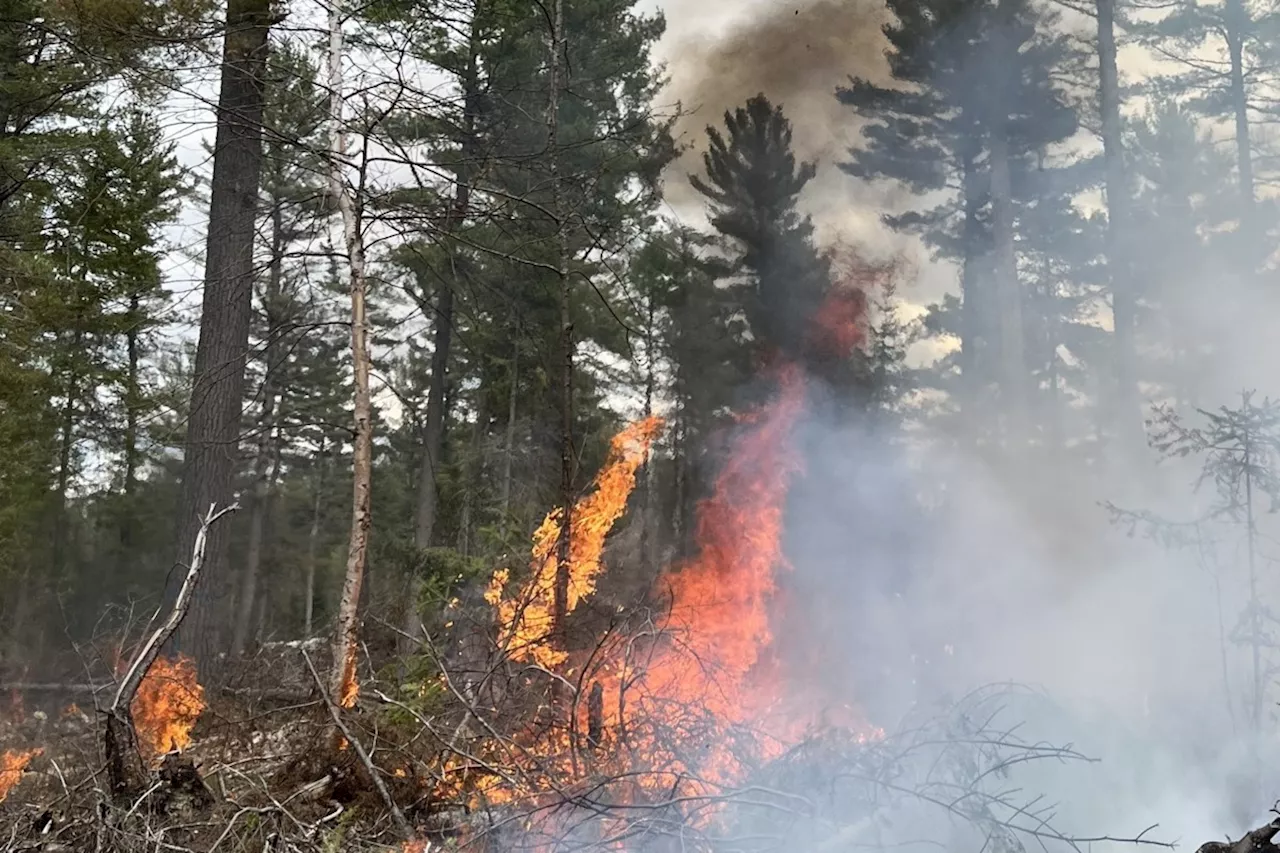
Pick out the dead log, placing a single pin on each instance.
(126, 771)
(1260, 840)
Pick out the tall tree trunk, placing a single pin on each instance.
(970, 273)
(1008, 291)
(474, 471)
(1008, 303)
(132, 406)
(432, 448)
(265, 451)
(648, 516)
(217, 392)
(509, 445)
(342, 683)
(313, 542)
(433, 431)
(1237, 20)
(560, 603)
(66, 448)
(1127, 414)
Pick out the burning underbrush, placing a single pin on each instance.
(546, 717)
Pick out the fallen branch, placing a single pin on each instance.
(397, 816)
(1259, 840)
(124, 762)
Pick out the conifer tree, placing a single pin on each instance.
(975, 73)
(752, 183)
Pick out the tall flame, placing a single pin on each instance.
(719, 628)
(527, 619)
(12, 765)
(694, 704)
(167, 705)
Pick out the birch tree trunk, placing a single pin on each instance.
(342, 680)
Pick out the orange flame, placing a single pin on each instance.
(527, 619)
(12, 766)
(698, 706)
(350, 685)
(719, 628)
(167, 705)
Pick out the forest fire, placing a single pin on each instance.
(688, 706)
(12, 765)
(526, 620)
(711, 671)
(167, 705)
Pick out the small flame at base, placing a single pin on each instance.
(12, 765)
(167, 705)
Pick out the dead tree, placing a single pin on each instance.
(125, 768)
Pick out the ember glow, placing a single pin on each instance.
(527, 618)
(167, 705)
(350, 686)
(12, 765)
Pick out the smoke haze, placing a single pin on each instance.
(1020, 577)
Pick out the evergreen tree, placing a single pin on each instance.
(752, 183)
(1227, 52)
(974, 75)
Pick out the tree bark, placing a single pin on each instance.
(432, 445)
(342, 683)
(970, 278)
(475, 470)
(560, 604)
(313, 540)
(509, 446)
(1127, 414)
(433, 431)
(1237, 20)
(132, 405)
(263, 470)
(1008, 290)
(217, 392)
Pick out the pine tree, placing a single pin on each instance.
(218, 391)
(980, 93)
(753, 183)
(1227, 51)
(294, 221)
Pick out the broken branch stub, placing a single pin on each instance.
(125, 767)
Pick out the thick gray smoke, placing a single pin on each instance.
(917, 592)
(1017, 576)
(797, 53)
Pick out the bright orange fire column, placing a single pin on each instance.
(526, 620)
(167, 705)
